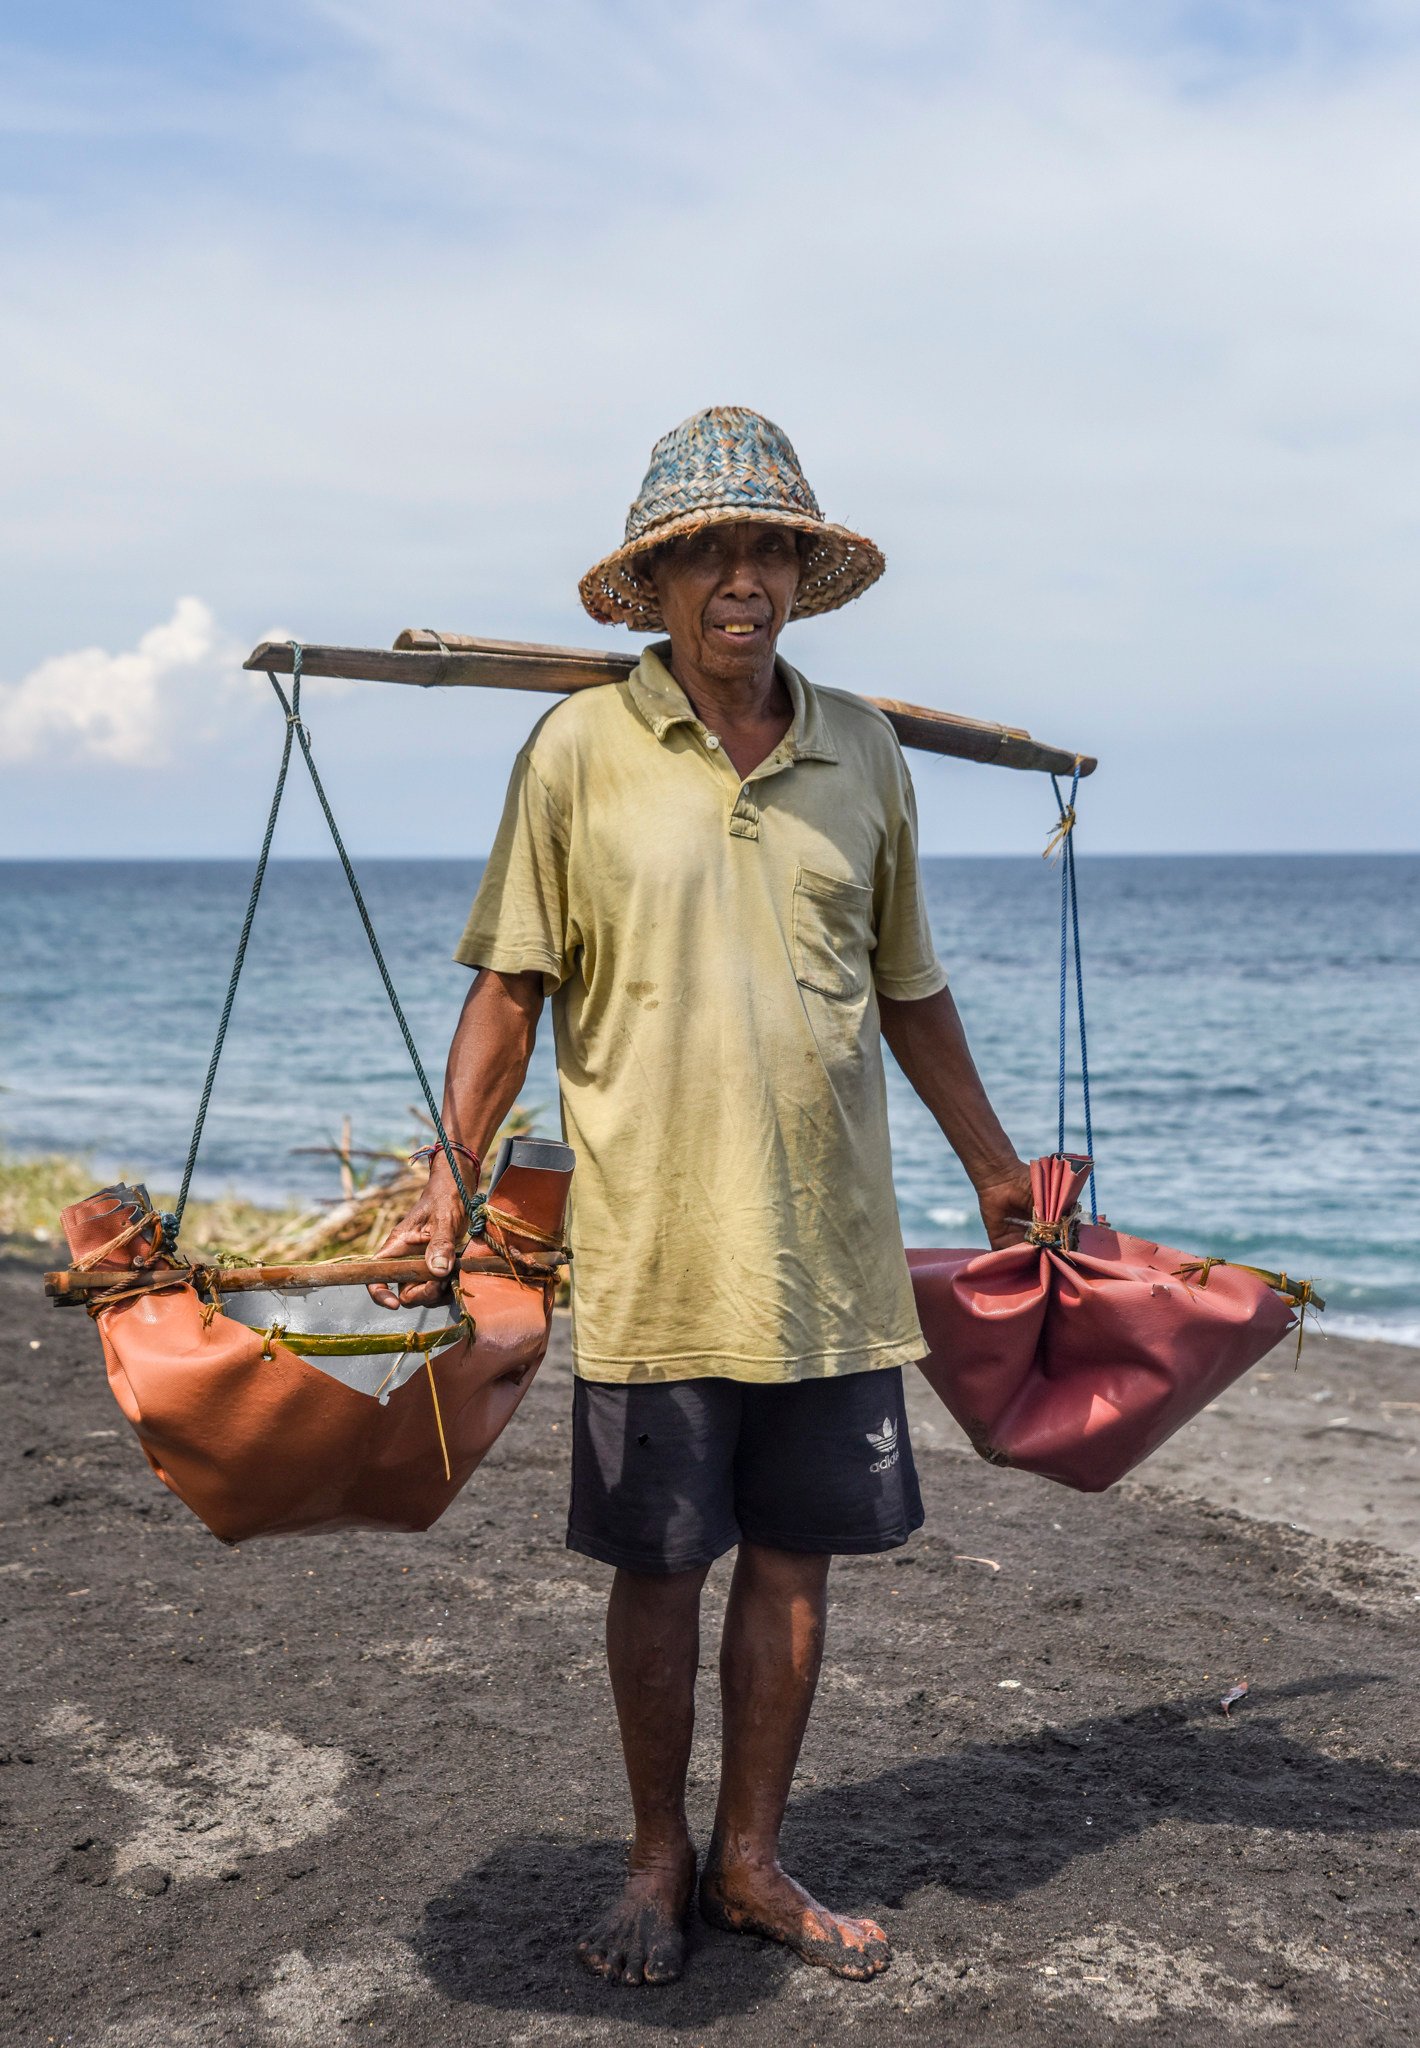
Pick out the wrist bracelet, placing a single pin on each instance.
(436, 1151)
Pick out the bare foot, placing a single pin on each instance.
(642, 1938)
(746, 1898)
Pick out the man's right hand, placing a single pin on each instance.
(436, 1227)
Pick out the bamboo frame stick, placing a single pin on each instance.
(73, 1286)
(458, 660)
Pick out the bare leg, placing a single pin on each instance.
(653, 1649)
(769, 1665)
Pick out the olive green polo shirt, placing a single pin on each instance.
(713, 947)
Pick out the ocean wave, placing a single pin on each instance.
(1372, 1329)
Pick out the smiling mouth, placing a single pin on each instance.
(740, 629)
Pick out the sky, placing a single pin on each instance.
(330, 317)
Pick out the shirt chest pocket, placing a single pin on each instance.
(833, 934)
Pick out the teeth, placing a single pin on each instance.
(739, 629)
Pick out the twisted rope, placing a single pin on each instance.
(1061, 844)
(295, 729)
(172, 1222)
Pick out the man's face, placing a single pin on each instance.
(725, 593)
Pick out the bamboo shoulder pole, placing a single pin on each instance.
(458, 660)
(75, 1285)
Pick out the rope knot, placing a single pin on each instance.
(494, 1226)
(1301, 1293)
(1055, 844)
(1061, 1236)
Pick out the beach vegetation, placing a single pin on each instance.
(373, 1188)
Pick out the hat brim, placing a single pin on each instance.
(841, 565)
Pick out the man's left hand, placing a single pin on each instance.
(1006, 1206)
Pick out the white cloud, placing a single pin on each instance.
(180, 690)
(123, 708)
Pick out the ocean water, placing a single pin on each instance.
(1254, 1029)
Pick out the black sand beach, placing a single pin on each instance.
(366, 1789)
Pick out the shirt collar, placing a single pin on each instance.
(663, 703)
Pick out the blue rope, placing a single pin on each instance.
(1080, 1007)
(1064, 948)
(1070, 935)
(473, 1204)
(172, 1220)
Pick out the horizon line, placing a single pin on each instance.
(1024, 853)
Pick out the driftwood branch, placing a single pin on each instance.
(434, 661)
(75, 1286)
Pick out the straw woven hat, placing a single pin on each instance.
(723, 464)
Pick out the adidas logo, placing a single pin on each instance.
(884, 1442)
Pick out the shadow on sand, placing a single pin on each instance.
(990, 1821)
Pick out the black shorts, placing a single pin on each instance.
(669, 1475)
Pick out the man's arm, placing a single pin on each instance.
(488, 1061)
(930, 1046)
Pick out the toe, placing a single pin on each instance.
(664, 1963)
(635, 1944)
(859, 1964)
(867, 1938)
(604, 1953)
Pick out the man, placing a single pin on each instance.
(712, 870)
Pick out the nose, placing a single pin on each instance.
(740, 575)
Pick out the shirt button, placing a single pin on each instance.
(712, 741)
